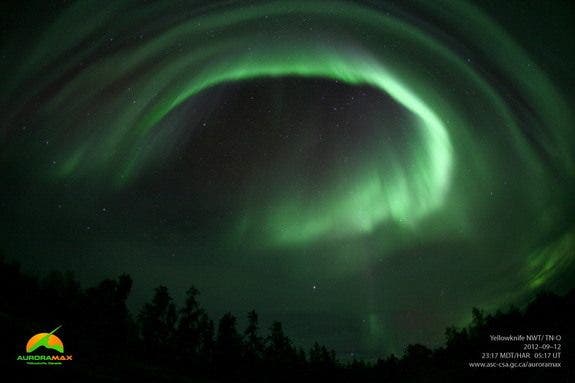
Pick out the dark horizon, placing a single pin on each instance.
(164, 341)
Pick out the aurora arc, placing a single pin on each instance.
(400, 198)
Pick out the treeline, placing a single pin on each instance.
(163, 342)
(187, 336)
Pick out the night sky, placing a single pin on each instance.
(365, 172)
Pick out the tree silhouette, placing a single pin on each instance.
(157, 321)
(189, 328)
(105, 316)
(320, 358)
(253, 343)
(228, 346)
(279, 353)
(207, 343)
(63, 290)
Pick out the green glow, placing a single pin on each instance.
(457, 193)
(544, 263)
(472, 140)
(122, 147)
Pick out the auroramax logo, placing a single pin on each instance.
(48, 340)
(45, 341)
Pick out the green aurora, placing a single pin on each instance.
(484, 161)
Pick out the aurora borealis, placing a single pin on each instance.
(364, 171)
